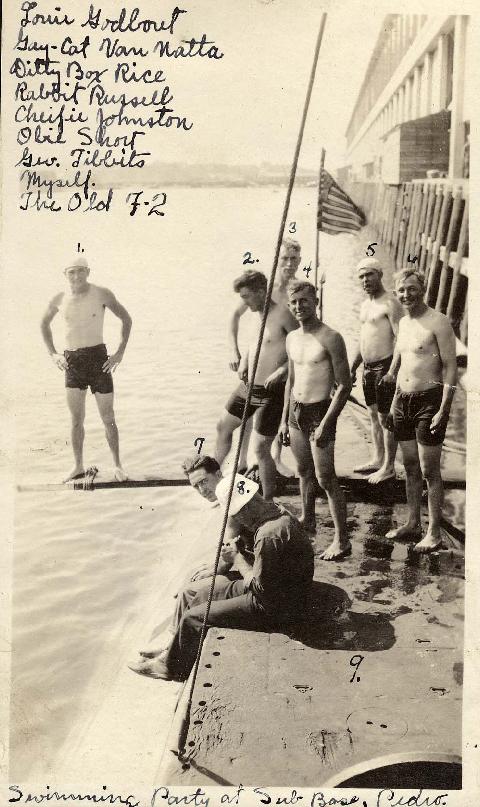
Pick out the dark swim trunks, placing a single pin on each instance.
(85, 369)
(413, 413)
(306, 417)
(381, 395)
(268, 406)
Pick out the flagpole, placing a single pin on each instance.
(317, 237)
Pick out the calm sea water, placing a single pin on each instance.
(85, 563)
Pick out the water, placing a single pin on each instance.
(85, 564)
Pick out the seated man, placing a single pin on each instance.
(203, 473)
(273, 593)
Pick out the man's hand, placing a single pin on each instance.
(353, 374)
(389, 422)
(387, 379)
(284, 433)
(320, 435)
(229, 550)
(203, 571)
(112, 362)
(275, 378)
(59, 360)
(439, 421)
(243, 371)
(235, 361)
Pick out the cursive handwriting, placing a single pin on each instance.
(54, 795)
(389, 797)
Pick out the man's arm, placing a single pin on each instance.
(284, 431)
(335, 346)
(357, 361)
(394, 314)
(233, 335)
(289, 324)
(111, 302)
(50, 313)
(446, 345)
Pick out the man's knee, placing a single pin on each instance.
(327, 479)
(306, 470)
(263, 446)
(383, 417)
(431, 471)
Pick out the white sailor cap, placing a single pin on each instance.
(244, 489)
(79, 262)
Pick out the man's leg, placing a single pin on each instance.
(376, 431)
(76, 404)
(323, 458)
(225, 428)
(185, 598)
(300, 445)
(262, 446)
(233, 612)
(430, 465)
(387, 468)
(105, 407)
(414, 484)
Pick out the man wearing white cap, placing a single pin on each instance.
(379, 317)
(273, 592)
(85, 360)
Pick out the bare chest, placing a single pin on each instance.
(373, 312)
(417, 339)
(307, 349)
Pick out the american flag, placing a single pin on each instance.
(337, 213)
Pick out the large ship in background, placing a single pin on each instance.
(408, 151)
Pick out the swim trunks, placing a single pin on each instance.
(266, 404)
(413, 413)
(306, 417)
(381, 395)
(85, 369)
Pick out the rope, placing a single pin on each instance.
(185, 727)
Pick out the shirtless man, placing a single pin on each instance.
(425, 368)
(269, 382)
(85, 361)
(379, 317)
(317, 358)
(288, 263)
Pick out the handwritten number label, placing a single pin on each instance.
(412, 260)
(370, 252)
(247, 258)
(78, 248)
(137, 203)
(154, 207)
(241, 487)
(308, 269)
(293, 227)
(199, 441)
(355, 662)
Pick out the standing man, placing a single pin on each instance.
(425, 367)
(267, 398)
(271, 594)
(288, 263)
(85, 360)
(379, 317)
(317, 359)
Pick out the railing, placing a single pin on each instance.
(425, 222)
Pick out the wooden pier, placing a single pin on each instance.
(425, 222)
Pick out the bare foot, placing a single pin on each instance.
(120, 474)
(372, 465)
(337, 550)
(152, 669)
(405, 531)
(381, 475)
(76, 473)
(431, 543)
(161, 645)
